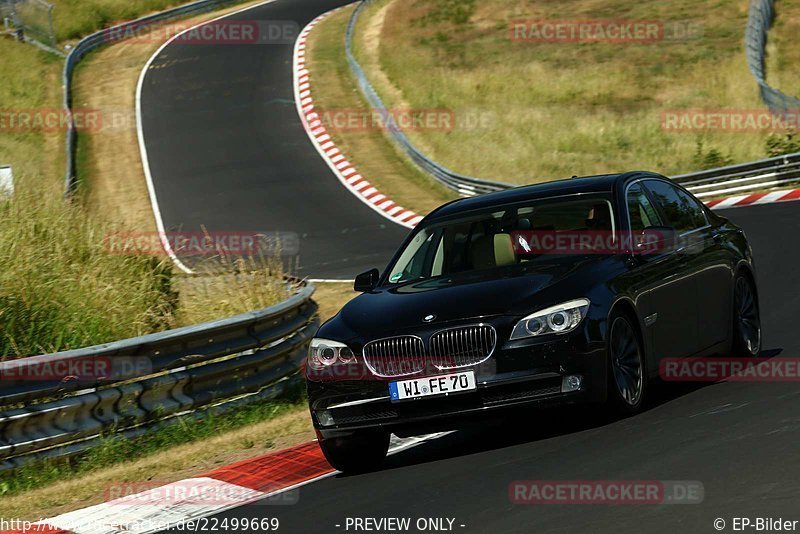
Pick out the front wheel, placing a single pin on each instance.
(627, 372)
(358, 453)
(746, 319)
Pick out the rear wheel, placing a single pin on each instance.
(746, 319)
(358, 453)
(627, 374)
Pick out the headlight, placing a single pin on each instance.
(324, 353)
(554, 320)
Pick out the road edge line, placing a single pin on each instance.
(327, 149)
(247, 481)
(143, 145)
(751, 199)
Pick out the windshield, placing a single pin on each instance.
(502, 236)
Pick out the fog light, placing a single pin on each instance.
(325, 418)
(571, 383)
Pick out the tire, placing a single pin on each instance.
(746, 319)
(358, 453)
(627, 372)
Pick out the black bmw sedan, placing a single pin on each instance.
(564, 292)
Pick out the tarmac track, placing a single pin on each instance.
(740, 440)
(228, 152)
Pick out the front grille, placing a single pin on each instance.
(462, 346)
(395, 356)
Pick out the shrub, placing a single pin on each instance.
(781, 144)
(709, 159)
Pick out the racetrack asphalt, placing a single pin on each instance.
(228, 152)
(739, 439)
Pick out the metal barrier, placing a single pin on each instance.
(33, 17)
(464, 185)
(763, 174)
(759, 21)
(766, 173)
(150, 380)
(97, 39)
(215, 366)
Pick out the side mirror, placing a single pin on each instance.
(367, 281)
(656, 240)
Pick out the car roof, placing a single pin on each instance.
(601, 183)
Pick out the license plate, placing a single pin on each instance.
(432, 385)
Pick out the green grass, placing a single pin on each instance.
(783, 55)
(114, 449)
(77, 18)
(30, 80)
(558, 109)
(60, 289)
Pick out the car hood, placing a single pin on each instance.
(467, 296)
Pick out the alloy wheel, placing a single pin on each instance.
(626, 361)
(748, 322)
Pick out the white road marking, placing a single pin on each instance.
(143, 148)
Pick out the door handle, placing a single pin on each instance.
(717, 237)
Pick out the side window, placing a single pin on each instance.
(641, 211)
(682, 211)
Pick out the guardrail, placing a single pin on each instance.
(761, 174)
(759, 21)
(61, 404)
(105, 36)
(464, 185)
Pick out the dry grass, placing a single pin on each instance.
(331, 297)
(67, 292)
(76, 18)
(559, 109)
(783, 55)
(177, 463)
(58, 287)
(109, 157)
(31, 80)
(375, 157)
(113, 182)
(110, 166)
(250, 285)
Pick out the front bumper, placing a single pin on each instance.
(518, 373)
